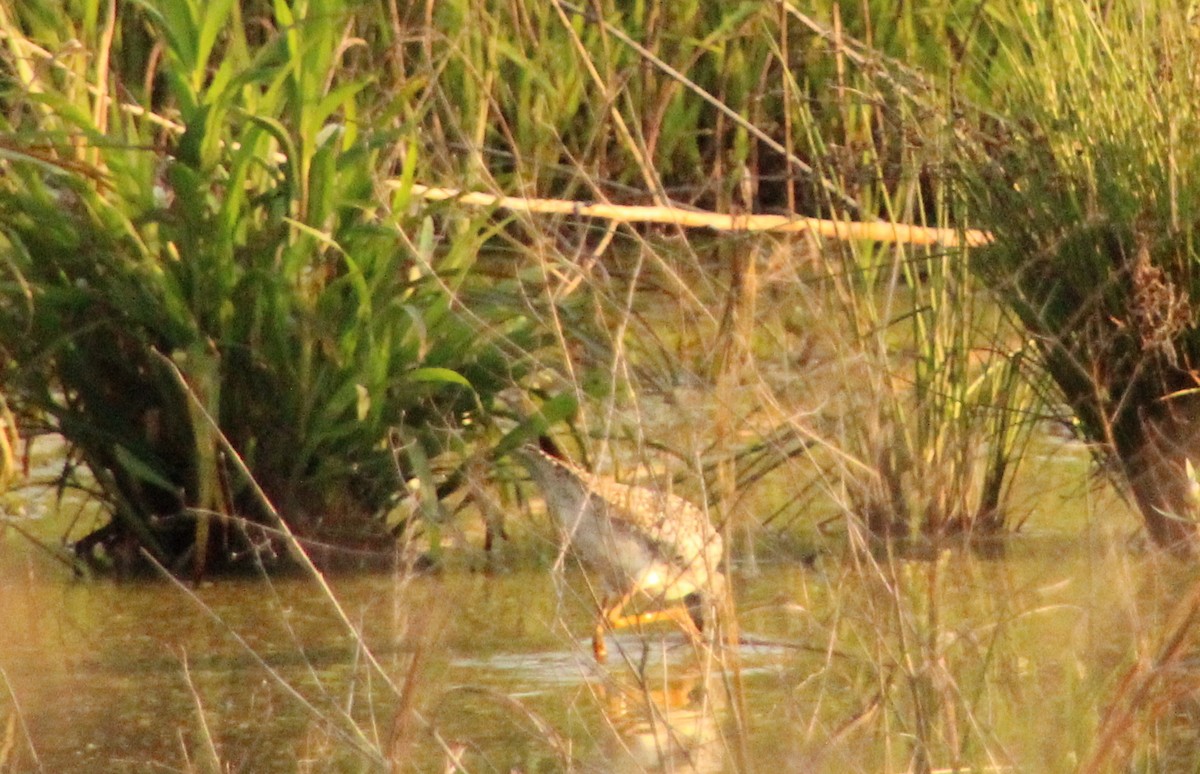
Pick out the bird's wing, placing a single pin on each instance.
(676, 528)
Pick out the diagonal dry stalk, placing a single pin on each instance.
(1150, 686)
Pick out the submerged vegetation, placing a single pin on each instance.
(221, 285)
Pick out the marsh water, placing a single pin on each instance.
(853, 662)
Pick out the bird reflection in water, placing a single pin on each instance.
(665, 719)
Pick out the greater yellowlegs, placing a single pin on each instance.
(640, 541)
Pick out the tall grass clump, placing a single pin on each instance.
(1092, 191)
(220, 215)
(934, 408)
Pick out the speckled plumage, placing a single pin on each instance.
(637, 539)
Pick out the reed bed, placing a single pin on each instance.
(219, 245)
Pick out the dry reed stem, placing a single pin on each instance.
(18, 46)
(878, 231)
(10, 441)
(635, 148)
(1137, 688)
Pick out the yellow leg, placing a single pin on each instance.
(599, 649)
(607, 610)
(611, 618)
(676, 613)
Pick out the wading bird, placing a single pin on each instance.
(641, 542)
